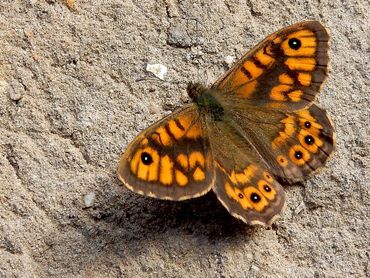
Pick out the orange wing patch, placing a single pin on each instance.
(199, 174)
(255, 198)
(244, 79)
(245, 188)
(191, 128)
(295, 95)
(196, 158)
(266, 189)
(142, 170)
(242, 177)
(237, 195)
(146, 164)
(183, 160)
(307, 44)
(309, 141)
(306, 64)
(289, 130)
(264, 58)
(301, 133)
(304, 78)
(250, 188)
(248, 71)
(181, 178)
(300, 49)
(248, 89)
(280, 92)
(162, 137)
(282, 160)
(166, 170)
(285, 79)
(308, 122)
(285, 93)
(174, 130)
(299, 155)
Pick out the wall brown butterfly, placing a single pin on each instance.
(255, 124)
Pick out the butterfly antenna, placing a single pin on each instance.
(147, 78)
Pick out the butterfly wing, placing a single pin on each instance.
(243, 183)
(292, 144)
(269, 95)
(284, 71)
(171, 159)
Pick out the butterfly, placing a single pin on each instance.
(253, 129)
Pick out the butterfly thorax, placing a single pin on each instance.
(205, 100)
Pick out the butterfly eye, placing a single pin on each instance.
(255, 198)
(309, 140)
(294, 43)
(146, 158)
(307, 124)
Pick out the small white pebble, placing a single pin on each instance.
(300, 208)
(158, 70)
(154, 109)
(229, 60)
(254, 268)
(89, 199)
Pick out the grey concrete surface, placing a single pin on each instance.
(74, 92)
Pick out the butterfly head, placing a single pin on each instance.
(195, 90)
(205, 100)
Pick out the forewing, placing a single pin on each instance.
(284, 71)
(171, 159)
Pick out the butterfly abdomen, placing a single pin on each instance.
(206, 101)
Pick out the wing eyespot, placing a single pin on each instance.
(267, 176)
(309, 140)
(298, 155)
(283, 162)
(255, 198)
(294, 43)
(146, 158)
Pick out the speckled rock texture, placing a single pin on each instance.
(74, 92)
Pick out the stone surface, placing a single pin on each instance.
(82, 93)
